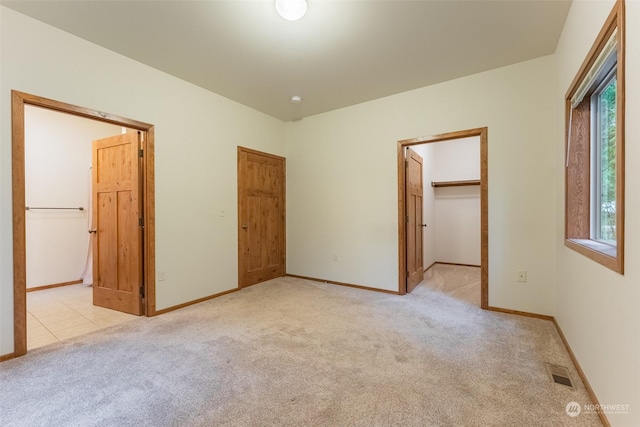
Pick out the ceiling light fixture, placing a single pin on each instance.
(296, 99)
(291, 10)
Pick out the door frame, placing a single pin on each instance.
(18, 102)
(484, 206)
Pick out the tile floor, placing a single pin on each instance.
(59, 313)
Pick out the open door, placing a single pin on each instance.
(117, 222)
(414, 195)
(261, 217)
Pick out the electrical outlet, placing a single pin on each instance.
(161, 276)
(522, 276)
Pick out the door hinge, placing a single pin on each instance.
(406, 219)
(140, 152)
(141, 222)
(406, 164)
(142, 291)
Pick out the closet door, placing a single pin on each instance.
(261, 217)
(414, 195)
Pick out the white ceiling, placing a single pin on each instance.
(342, 52)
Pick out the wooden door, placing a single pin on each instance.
(117, 221)
(414, 195)
(261, 217)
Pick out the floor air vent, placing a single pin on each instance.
(559, 374)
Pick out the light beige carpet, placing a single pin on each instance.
(291, 352)
(458, 281)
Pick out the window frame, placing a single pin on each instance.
(579, 227)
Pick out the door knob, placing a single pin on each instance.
(245, 226)
(424, 225)
(92, 231)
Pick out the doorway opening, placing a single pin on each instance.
(143, 249)
(410, 215)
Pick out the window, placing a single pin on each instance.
(594, 178)
(603, 108)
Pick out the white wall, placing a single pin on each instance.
(342, 181)
(457, 209)
(196, 131)
(57, 174)
(599, 310)
(457, 215)
(457, 159)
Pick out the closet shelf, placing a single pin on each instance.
(455, 183)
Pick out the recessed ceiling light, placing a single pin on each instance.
(291, 10)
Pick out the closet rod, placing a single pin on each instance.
(455, 183)
(29, 208)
